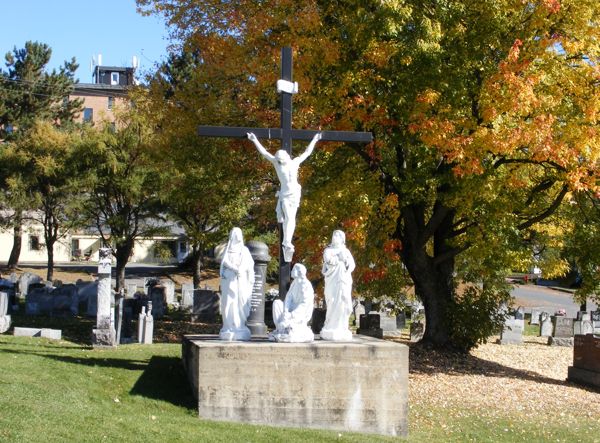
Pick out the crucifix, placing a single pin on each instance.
(286, 134)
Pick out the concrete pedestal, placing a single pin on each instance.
(359, 386)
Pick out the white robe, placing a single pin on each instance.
(338, 265)
(237, 280)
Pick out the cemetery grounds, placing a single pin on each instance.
(67, 391)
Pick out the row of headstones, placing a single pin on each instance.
(44, 298)
(559, 329)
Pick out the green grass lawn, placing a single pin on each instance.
(63, 391)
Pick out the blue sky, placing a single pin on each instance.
(83, 28)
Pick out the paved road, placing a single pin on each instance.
(531, 296)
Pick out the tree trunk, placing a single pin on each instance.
(197, 262)
(50, 252)
(433, 277)
(122, 254)
(13, 260)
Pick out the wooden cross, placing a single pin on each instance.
(286, 134)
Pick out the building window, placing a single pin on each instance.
(9, 128)
(111, 102)
(88, 114)
(114, 78)
(182, 247)
(34, 243)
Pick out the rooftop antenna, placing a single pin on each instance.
(134, 62)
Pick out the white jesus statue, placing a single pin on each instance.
(289, 188)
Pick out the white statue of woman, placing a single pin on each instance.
(289, 188)
(338, 265)
(237, 279)
(291, 318)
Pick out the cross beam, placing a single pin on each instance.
(286, 134)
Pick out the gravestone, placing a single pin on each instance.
(87, 292)
(586, 361)
(512, 332)
(206, 306)
(359, 309)
(130, 289)
(562, 334)
(417, 330)
(563, 327)
(146, 325)
(583, 327)
(369, 324)
(400, 320)
(127, 327)
(545, 325)
(187, 296)
(169, 286)
(158, 296)
(54, 334)
(5, 319)
(104, 335)
(389, 324)
(38, 301)
(596, 321)
(520, 317)
(535, 316)
(25, 280)
(65, 300)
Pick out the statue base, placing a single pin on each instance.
(359, 386)
(104, 338)
(240, 335)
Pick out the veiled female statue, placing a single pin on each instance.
(237, 279)
(338, 265)
(291, 318)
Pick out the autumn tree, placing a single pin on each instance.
(484, 115)
(30, 93)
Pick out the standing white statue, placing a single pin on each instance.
(291, 319)
(338, 265)
(237, 279)
(289, 188)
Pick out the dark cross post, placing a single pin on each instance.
(286, 134)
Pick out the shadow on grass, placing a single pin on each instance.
(164, 379)
(424, 360)
(119, 363)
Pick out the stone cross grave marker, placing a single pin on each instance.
(286, 134)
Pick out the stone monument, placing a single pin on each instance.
(256, 320)
(360, 385)
(545, 325)
(5, 319)
(104, 334)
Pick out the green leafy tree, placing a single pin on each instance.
(208, 186)
(29, 93)
(484, 115)
(123, 185)
(44, 163)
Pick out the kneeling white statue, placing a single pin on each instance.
(338, 265)
(292, 317)
(237, 279)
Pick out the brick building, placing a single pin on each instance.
(107, 93)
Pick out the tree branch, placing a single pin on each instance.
(548, 212)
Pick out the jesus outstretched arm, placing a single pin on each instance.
(309, 149)
(261, 148)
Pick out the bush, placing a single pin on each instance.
(475, 315)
